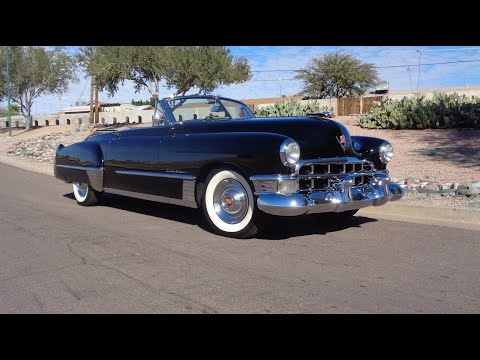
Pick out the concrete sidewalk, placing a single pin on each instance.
(462, 218)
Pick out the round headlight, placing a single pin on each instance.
(289, 152)
(386, 152)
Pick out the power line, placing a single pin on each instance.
(272, 80)
(439, 63)
(385, 66)
(82, 90)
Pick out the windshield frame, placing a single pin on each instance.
(165, 106)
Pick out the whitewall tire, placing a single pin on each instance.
(85, 195)
(228, 204)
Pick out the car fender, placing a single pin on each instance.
(253, 152)
(80, 162)
(369, 148)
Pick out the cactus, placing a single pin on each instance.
(442, 111)
(290, 108)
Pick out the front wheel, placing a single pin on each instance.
(85, 195)
(228, 204)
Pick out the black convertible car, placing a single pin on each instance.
(212, 153)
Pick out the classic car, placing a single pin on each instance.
(212, 153)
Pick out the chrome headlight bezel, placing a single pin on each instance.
(289, 152)
(386, 152)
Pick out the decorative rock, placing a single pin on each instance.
(455, 186)
(423, 184)
(473, 192)
(449, 192)
(444, 187)
(477, 185)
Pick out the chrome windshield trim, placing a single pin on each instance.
(157, 174)
(75, 167)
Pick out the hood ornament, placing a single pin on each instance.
(342, 140)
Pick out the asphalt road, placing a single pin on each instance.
(135, 256)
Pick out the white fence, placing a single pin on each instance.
(134, 116)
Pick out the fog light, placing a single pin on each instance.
(288, 187)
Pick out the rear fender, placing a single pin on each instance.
(81, 162)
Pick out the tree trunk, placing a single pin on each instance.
(90, 115)
(27, 111)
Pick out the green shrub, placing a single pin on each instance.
(441, 112)
(290, 108)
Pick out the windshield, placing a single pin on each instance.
(203, 108)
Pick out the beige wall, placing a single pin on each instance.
(77, 119)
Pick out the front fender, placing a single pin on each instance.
(253, 152)
(368, 148)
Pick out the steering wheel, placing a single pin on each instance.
(210, 116)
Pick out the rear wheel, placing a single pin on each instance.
(85, 195)
(228, 204)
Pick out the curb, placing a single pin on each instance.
(465, 218)
(21, 164)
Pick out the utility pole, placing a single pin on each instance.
(9, 117)
(96, 104)
(419, 62)
(90, 116)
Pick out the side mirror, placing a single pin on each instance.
(216, 108)
(158, 119)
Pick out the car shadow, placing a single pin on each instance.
(282, 228)
(274, 228)
(150, 208)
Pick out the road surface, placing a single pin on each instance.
(135, 256)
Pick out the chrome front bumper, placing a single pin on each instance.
(342, 196)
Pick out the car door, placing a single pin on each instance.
(132, 161)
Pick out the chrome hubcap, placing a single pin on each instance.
(81, 189)
(230, 201)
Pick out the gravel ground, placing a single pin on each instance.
(437, 156)
(440, 155)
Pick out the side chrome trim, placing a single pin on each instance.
(95, 174)
(186, 201)
(74, 167)
(273, 177)
(157, 174)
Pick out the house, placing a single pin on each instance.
(144, 107)
(117, 107)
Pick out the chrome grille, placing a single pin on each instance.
(323, 173)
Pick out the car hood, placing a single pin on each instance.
(317, 136)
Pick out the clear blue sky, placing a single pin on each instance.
(267, 81)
